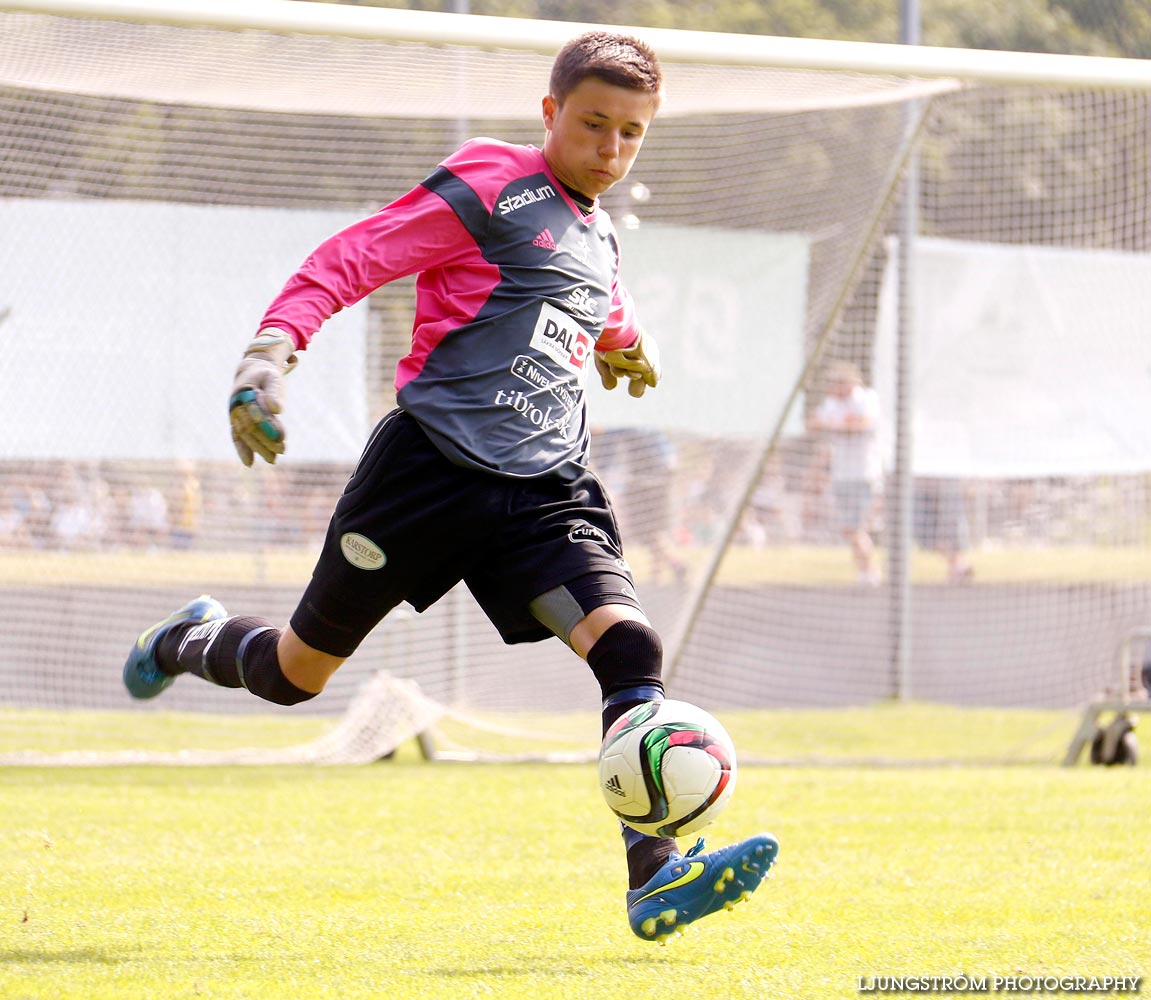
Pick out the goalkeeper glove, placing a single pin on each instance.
(639, 364)
(257, 396)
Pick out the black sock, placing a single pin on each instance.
(208, 649)
(626, 660)
(646, 856)
(232, 653)
(612, 712)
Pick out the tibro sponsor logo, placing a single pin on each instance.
(545, 417)
(561, 338)
(361, 552)
(526, 197)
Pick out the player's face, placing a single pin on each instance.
(594, 136)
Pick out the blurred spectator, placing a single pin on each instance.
(147, 516)
(14, 532)
(189, 507)
(940, 523)
(79, 510)
(638, 464)
(848, 418)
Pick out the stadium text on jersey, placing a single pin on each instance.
(526, 197)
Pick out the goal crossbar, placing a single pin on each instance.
(674, 45)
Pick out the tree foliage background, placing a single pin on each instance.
(1083, 27)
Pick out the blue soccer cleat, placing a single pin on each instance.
(142, 677)
(691, 886)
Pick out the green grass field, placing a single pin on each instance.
(409, 879)
(887, 732)
(791, 565)
(421, 880)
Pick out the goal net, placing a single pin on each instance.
(968, 235)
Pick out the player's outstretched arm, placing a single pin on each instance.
(639, 364)
(258, 396)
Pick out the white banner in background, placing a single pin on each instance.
(122, 323)
(727, 309)
(1028, 361)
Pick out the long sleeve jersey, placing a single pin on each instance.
(515, 289)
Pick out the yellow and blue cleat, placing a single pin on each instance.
(142, 676)
(694, 885)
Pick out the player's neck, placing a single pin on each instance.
(583, 202)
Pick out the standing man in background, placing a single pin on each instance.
(849, 418)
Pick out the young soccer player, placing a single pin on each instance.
(480, 474)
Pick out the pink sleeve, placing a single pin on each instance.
(416, 232)
(622, 327)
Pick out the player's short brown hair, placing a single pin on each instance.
(617, 59)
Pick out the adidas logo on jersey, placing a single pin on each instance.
(614, 785)
(545, 240)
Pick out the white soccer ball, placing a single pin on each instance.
(667, 768)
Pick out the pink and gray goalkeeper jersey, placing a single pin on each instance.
(515, 289)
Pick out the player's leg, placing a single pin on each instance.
(560, 548)
(233, 652)
(284, 666)
(352, 587)
(667, 890)
(625, 655)
(554, 566)
(697, 884)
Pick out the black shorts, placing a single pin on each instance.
(411, 525)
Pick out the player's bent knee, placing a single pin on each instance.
(262, 674)
(628, 655)
(305, 667)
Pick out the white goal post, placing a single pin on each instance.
(710, 48)
(167, 163)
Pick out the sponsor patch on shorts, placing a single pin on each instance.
(361, 552)
(584, 532)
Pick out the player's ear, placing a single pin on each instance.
(550, 107)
